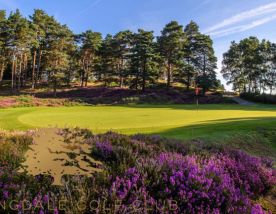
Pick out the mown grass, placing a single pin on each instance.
(178, 121)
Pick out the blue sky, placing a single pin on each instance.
(224, 20)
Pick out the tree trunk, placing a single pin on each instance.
(38, 67)
(144, 78)
(204, 89)
(24, 74)
(188, 82)
(2, 71)
(20, 73)
(13, 74)
(33, 72)
(82, 79)
(188, 78)
(55, 88)
(86, 79)
(169, 76)
(121, 73)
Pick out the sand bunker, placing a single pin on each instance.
(57, 153)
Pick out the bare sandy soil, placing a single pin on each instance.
(53, 154)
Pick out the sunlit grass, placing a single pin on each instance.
(181, 121)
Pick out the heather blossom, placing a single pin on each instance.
(149, 175)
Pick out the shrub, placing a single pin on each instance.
(210, 181)
(145, 174)
(259, 98)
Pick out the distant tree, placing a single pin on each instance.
(270, 64)
(232, 69)
(246, 63)
(170, 45)
(40, 23)
(108, 60)
(90, 43)
(206, 64)
(121, 50)
(143, 58)
(19, 43)
(190, 51)
(4, 54)
(60, 43)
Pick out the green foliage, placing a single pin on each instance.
(90, 43)
(39, 49)
(170, 45)
(143, 59)
(250, 65)
(12, 147)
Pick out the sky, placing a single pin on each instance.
(223, 20)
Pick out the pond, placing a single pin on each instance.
(58, 152)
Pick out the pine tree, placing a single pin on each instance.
(60, 42)
(121, 52)
(3, 44)
(190, 50)
(90, 43)
(206, 63)
(19, 43)
(143, 59)
(40, 23)
(108, 60)
(170, 45)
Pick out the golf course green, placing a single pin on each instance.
(179, 121)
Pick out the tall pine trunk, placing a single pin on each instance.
(86, 78)
(121, 73)
(13, 74)
(38, 67)
(20, 73)
(188, 82)
(169, 68)
(2, 69)
(33, 71)
(24, 74)
(204, 89)
(144, 78)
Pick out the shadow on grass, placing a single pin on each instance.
(211, 107)
(220, 129)
(252, 135)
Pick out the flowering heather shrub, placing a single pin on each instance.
(20, 193)
(221, 181)
(12, 147)
(131, 191)
(195, 184)
(104, 151)
(250, 174)
(147, 175)
(199, 185)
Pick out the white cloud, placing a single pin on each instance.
(224, 27)
(242, 28)
(91, 5)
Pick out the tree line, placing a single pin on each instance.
(250, 66)
(39, 49)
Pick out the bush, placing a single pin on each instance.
(148, 176)
(144, 174)
(259, 98)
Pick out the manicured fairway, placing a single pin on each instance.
(181, 121)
